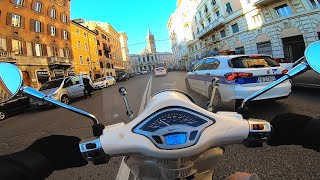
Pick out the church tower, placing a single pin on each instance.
(151, 42)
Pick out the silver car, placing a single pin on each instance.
(65, 89)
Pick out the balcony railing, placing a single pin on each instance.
(58, 60)
(264, 2)
(7, 57)
(215, 24)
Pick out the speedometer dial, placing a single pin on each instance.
(170, 118)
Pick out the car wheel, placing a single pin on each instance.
(187, 84)
(3, 115)
(65, 99)
(107, 85)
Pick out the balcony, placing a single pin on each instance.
(7, 57)
(214, 25)
(58, 61)
(264, 2)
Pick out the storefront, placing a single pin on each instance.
(58, 73)
(43, 76)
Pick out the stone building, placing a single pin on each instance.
(125, 52)
(148, 59)
(35, 35)
(281, 28)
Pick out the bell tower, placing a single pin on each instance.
(151, 42)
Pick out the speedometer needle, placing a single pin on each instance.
(165, 123)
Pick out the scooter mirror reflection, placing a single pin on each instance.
(312, 55)
(10, 81)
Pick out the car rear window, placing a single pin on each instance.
(252, 62)
(51, 84)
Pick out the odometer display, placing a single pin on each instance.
(176, 139)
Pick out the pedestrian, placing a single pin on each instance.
(88, 89)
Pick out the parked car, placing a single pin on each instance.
(122, 76)
(239, 75)
(17, 104)
(64, 89)
(103, 82)
(160, 71)
(131, 75)
(144, 72)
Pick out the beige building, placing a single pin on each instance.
(125, 51)
(281, 28)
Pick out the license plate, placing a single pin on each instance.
(266, 79)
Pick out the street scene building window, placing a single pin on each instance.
(218, 13)
(257, 19)
(16, 20)
(65, 35)
(16, 47)
(38, 50)
(213, 2)
(53, 31)
(85, 35)
(283, 10)
(229, 8)
(315, 3)
(38, 7)
(67, 53)
(64, 18)
(86, 46)
(79, 44)
(235, 28)
(213, 38)
(77, 31)
(53, 13)
(209, 19)
(223, 34)
(81, 60)
(37, 26)
(19, 2)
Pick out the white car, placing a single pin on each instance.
(160, 71)
(239, 76)
(103, 82)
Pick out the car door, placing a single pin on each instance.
(209, 72)
(193, 76)
(200, 80)
(76, 87)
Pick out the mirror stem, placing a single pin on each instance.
(37, 94)
(301, 68)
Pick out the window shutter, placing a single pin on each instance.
(62, 34)
(41, 27)
(24, 47)
(61, 17)
(32, 25)
(9, 19)
(33, 6)
(49, 29)
(49, 9)
(33, 49)
(64, 53)
(44, 50)
(57, 32)
(9, 44)
(23, 19)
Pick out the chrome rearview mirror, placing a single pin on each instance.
(312, 56)
(10, 81)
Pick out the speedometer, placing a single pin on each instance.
(174, 127)
(170, 118)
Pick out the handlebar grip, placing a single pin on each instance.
(92, 151)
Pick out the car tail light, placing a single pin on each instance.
(235, 75)
(285, 71)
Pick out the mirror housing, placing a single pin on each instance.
(10, 81)
(312, 54)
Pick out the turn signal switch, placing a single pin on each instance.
(259, 131)
(92, 151)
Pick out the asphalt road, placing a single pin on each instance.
(283, 162)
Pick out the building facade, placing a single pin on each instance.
(180, 30)
(125, 51)
(149, 58)
(5, 93)
(35, 35)
(84, 50)
(281, 28)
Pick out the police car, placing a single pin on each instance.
(239, 75)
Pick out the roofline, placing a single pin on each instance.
(83, 27)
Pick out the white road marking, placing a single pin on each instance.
(169, 84)
(124, 171)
